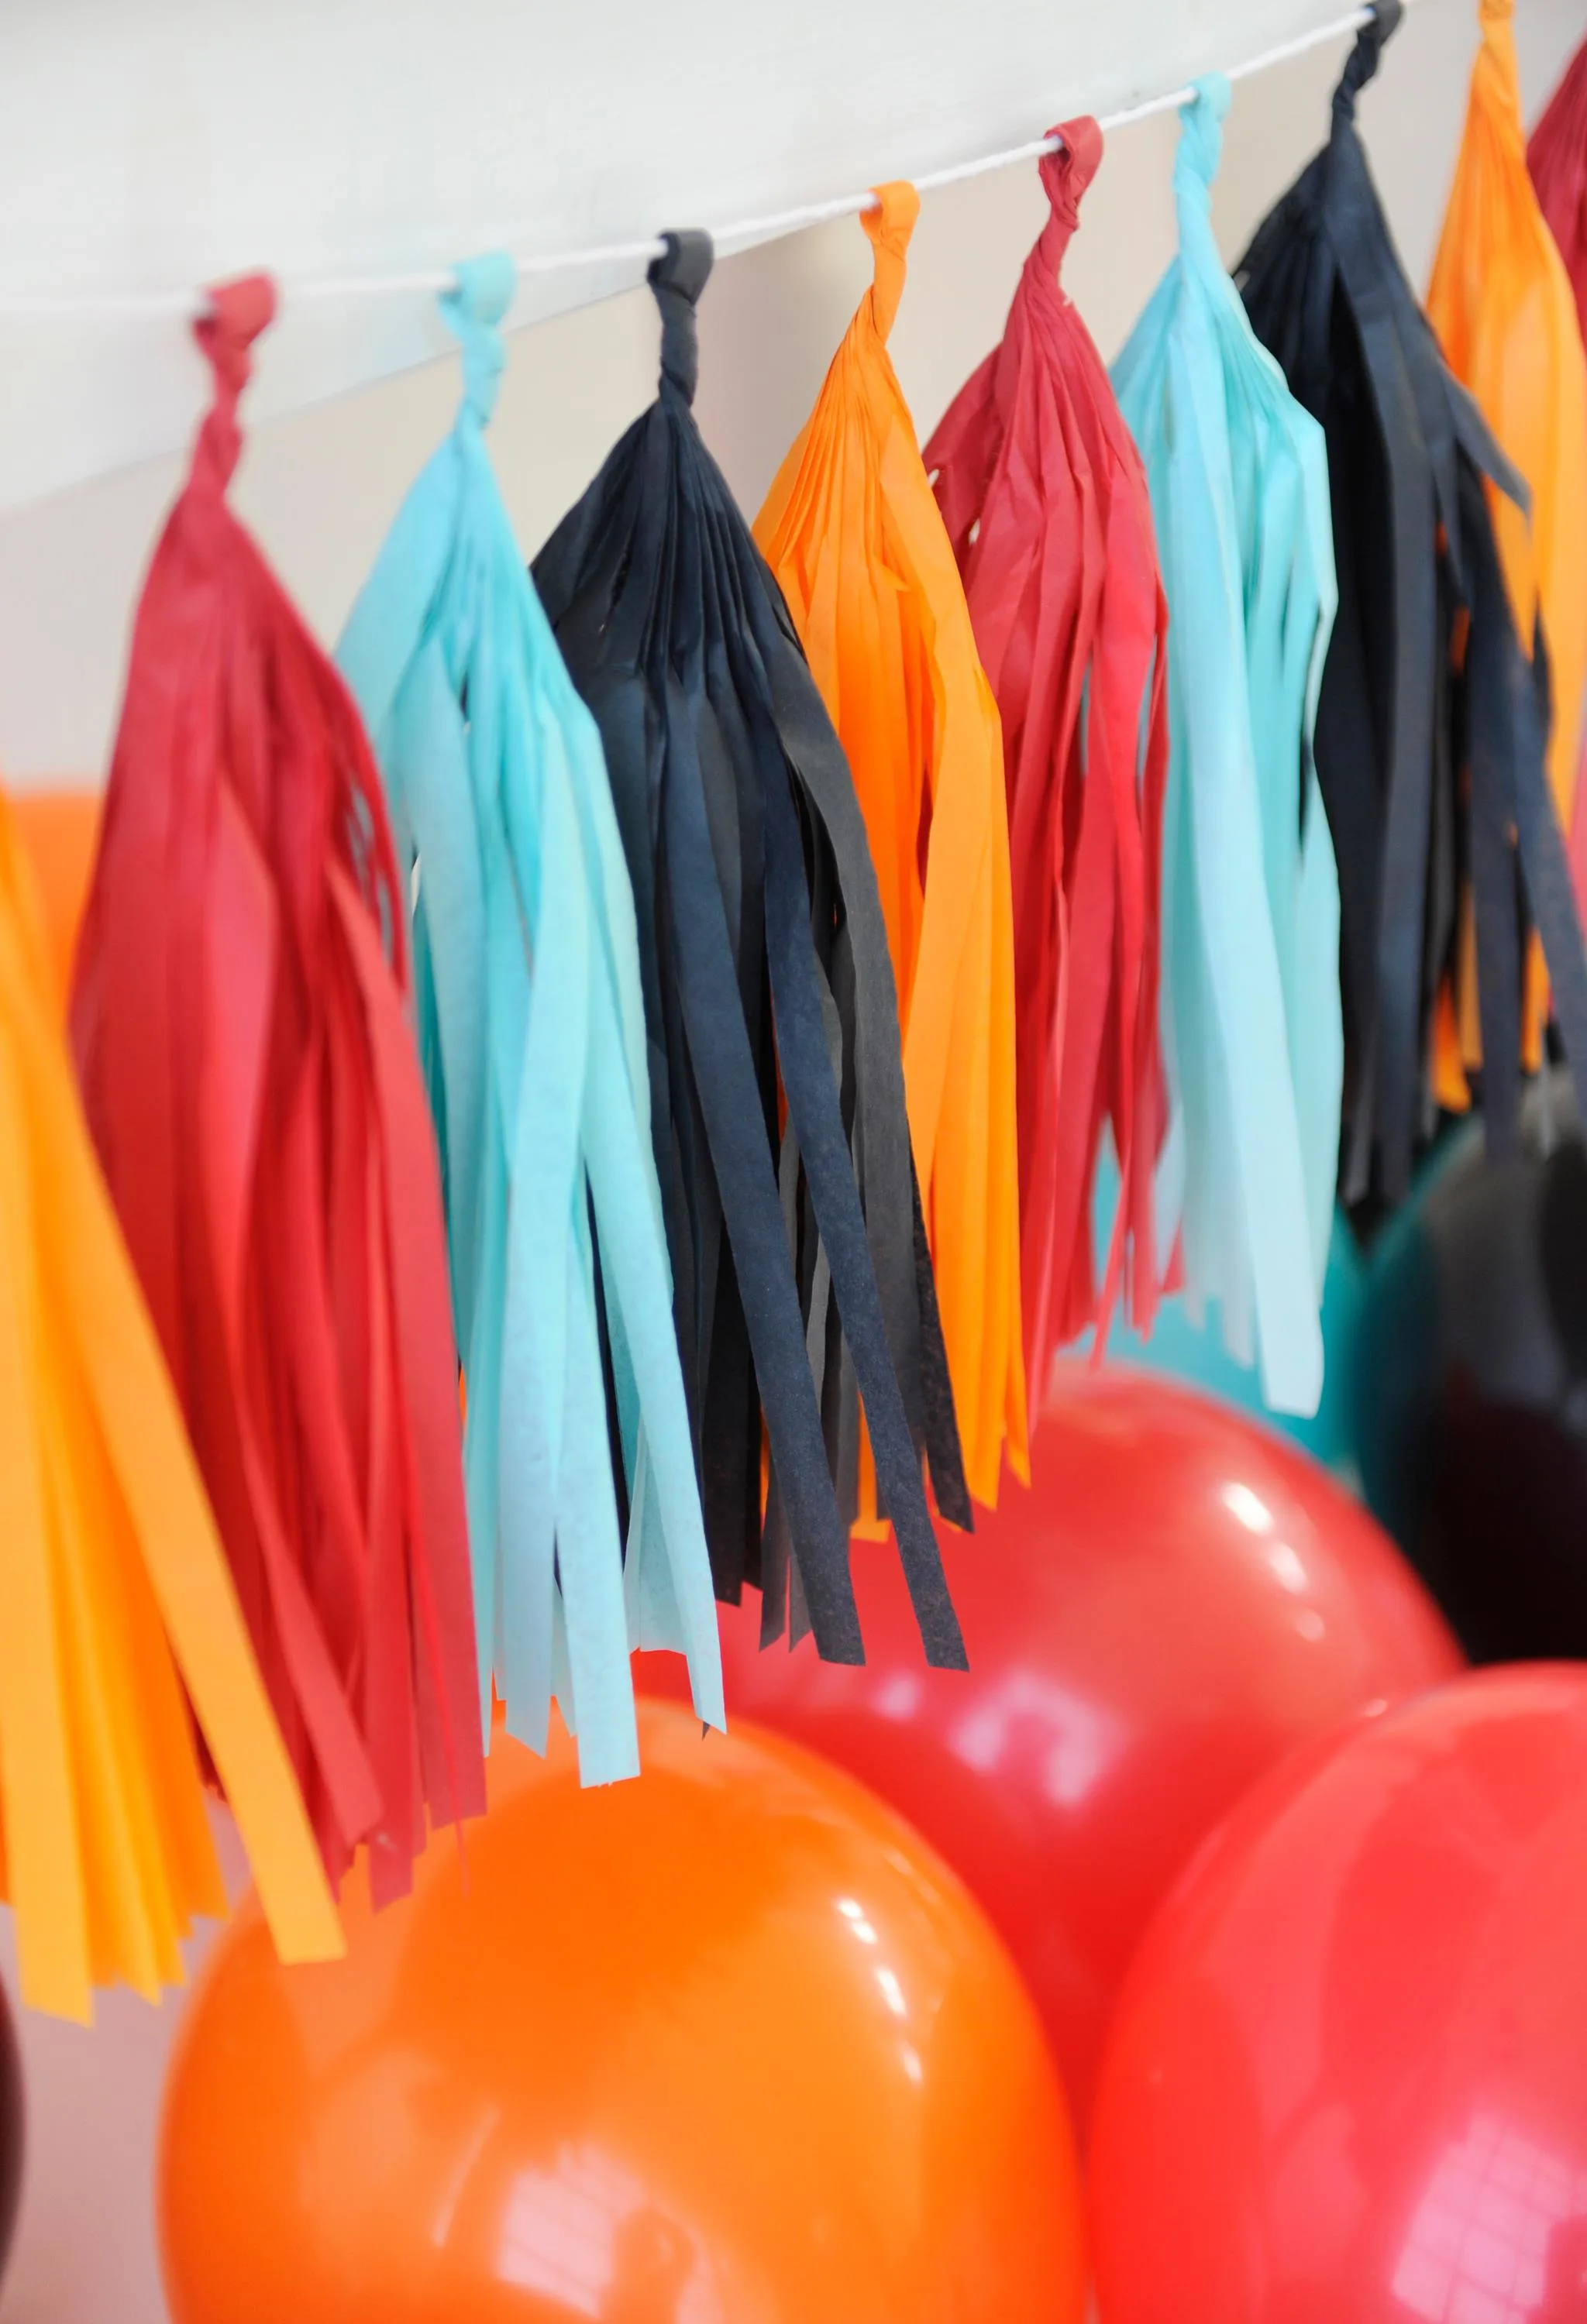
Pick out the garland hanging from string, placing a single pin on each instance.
(1047, 506)
(860, 553)
(251, 1084)
(119, 1609)
(800, 1270)
(1250, 894)
(1501, 305)
(1424, 667)
(532, 1027)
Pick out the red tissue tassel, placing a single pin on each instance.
(1557, 157)
(254, 1090)
(1046, 501)
(1556, 162)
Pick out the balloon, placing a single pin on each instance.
(1177, 1600)
(1471, 1418)
(11, 2130)
(60, 829)
(1195, 1351)
(728, 2045)
(1348, 2076)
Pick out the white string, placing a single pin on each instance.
(851, 205)
(742, 231)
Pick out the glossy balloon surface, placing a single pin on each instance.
(724, 2045)
(1471, 1385)
(1178, 1599)
(1347, 2083)
(60, 829)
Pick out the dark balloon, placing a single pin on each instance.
(1177, 1601)
(11, 2130)
(727, 2045)
(1471, 1386)
(1347, 2081)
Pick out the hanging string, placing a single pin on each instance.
(428, 281)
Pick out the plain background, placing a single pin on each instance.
(321, 487)
(148, 147)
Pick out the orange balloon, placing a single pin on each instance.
(61, 830)
(727, 2045)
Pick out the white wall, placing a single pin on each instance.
(321, 486)
(199, 137)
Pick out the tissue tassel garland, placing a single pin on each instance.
(801, 1279)
(1250, 896)
(250, 1083)
(1412, 672)
(115, 1587)
(533, 1035)
(1047, 504)
(1501, 305)
(1556, 162)
(860, 551)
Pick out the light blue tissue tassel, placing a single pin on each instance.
(1251, 1022)
(532, 1026)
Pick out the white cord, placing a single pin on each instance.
(851, 205)
(619, 253)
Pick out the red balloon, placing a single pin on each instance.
(1347, 2082)
(727, 2045)
(1178, 1601)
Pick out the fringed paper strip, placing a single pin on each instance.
(1250, 896)
(860, 551)
(1556, 161)
(801, 1279)
(1046, 500)
(113, 1585)
(534, 1045)
(250, 1083)
(1418, 694)
(1501, 304)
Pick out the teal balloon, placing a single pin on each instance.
(1195, 1351)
